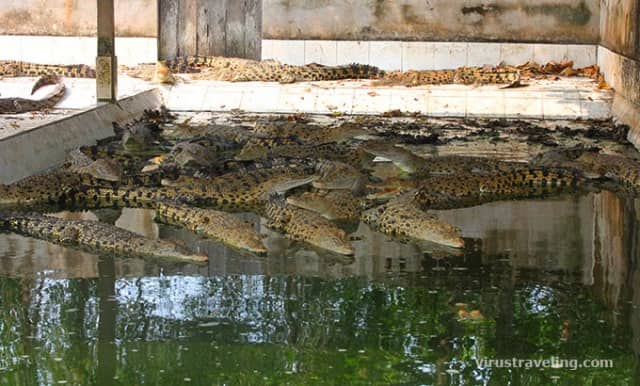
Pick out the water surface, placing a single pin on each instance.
(542, 279)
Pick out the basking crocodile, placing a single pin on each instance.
(94, 236)
(50, 188)
(304, 225)
(13, 68)
(619, 168)
(231, 191)
(402, 217)
(462, 75)
(214, 224)
(335, 175)
(447, 192)
(334, 205)
(22, 105)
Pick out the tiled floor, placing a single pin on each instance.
(567, 98)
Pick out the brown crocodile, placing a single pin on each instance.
(94, 236)
(304, 225)
(214, 224)
(510, 76)
(17, 105)
(402, 217)
(621, 169)
(334, 205)
(14, 68)
(461, 190)
(244, 70)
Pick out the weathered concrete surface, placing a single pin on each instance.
(210, 27)
(75, 18)
(41, 148)
(619, 24)
(619, 59)
(558, 21)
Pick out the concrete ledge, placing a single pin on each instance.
(36, 150)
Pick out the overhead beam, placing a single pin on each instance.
(106, 61)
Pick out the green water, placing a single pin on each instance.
(547, 279)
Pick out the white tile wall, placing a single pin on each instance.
(386, 54)
(543, 53)
(480, 54)
(389, 55)
(289, 51)
(74, 49)
(582, 55)
(352, 52)
(516, 53)
(417, 56)
(449, 55)
(321, 52)
(394, 55)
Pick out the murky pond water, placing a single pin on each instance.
(556, 279)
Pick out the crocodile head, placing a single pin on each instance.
(163, 74)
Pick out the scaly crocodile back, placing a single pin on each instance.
(19, 68)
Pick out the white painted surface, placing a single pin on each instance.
(567, 98)
(388, 55)
(405, 55)
(74, 50)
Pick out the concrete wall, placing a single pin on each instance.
(75, 17)
(558, 21)
(619, 59)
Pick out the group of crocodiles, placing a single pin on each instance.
(243, 70)
(308, 181)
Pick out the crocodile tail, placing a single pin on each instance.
(44, 80)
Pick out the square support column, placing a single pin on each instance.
(106, 61)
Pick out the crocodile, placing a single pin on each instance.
(334, 175)
(402, 217)
(304, 225)
(244, 70)
(231, 191)
(621, 169)
(94, 236)
(50, 188)
(468, 189)
(14, 68)
(462, 75)
(354, 156)
(17, 105)
(334, 205)
(455, 164)
(102, 168)
(217, 225)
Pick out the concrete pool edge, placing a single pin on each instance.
(38, 149)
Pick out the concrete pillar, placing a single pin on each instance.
(106, 61)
